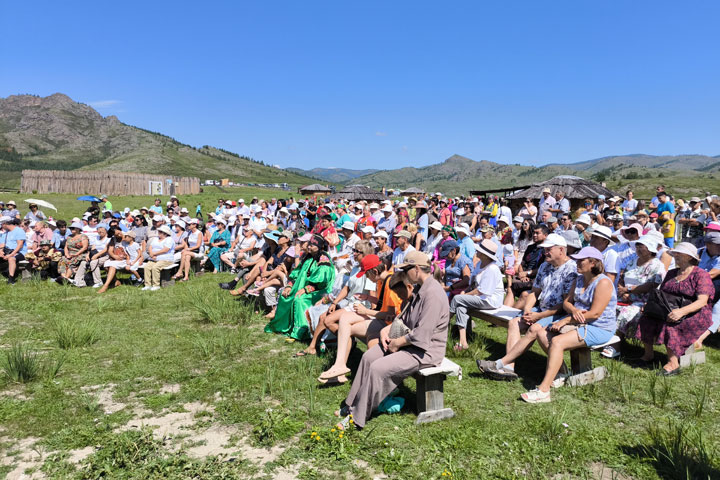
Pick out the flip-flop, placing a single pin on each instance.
(334, 380)
(327, 375)
(302, 353)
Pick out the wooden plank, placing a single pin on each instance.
(587, 378)
(434, 415)
(690, 359)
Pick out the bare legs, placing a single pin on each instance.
(560, 343)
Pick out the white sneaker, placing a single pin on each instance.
(560, 380)
(153, 289)
(97, 285)
(536, 396)
(147, 287)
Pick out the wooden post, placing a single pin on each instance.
(580, 360)
(430, 392)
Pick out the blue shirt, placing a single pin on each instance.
(665, 207)
(467, 247)
(583, 300)
(453, 273)
(58, 238)
(707, 262)
(158, 209)
(12, 238)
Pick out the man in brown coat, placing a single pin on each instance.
(386, 365)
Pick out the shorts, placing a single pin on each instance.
(547, 321)
(593, 335)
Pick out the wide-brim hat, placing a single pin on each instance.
(165, 229)
(686, 248)
(603, 232)
(487, 248)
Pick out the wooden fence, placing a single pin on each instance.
(107, 182)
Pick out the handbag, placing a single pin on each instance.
(661, 303)
(398, 329)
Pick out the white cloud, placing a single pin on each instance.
(104, 103)
(380, 134)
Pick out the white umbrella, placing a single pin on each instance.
(41, 203)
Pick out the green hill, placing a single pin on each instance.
(57, 133)
(336, 175)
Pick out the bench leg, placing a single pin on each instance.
(582, 370)
(431, 400)
(580, 360)
(166, 279)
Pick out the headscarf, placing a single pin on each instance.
(319, 242)
(450, 230)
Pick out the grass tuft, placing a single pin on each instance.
(74, 334)
(23, 365)
(216, 306)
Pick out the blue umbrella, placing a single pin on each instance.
(89, 198)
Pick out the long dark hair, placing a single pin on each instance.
(531, 228)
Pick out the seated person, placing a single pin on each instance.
(44, 260)
(75, 248)
(486, 293)
(384, 366)
(329, 309)
(306, 285)
(456, 274)
(365, 322)
(682, 326)
(192, 249)
(275, 246)
(710, 262)
(95, 259)
(522, 281)
(542, 306)
(643, 275)
(274, 272)
(277, 280)
(125, 254)
(591, 306)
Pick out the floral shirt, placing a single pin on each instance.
(554, 283)
(652, 271)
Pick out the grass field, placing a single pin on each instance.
(183, 383)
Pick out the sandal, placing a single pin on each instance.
(343, 423)
(610, 352)
(328, 374)
(340, 379)
(302, 353)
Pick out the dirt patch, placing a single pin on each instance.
(170, 388)
(600, 471)
(172, 424)
(24, 455)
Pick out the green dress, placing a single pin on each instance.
(290, 314)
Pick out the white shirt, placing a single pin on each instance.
(156, 245)
(399, 255)
(489, 282)
(91, 233)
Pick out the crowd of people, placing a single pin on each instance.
(394, 273)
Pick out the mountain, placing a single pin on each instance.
(460, 174)
(684, 175)
(58, 133)
(336, 175)
(673, 162)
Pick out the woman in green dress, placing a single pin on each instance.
(308, 283)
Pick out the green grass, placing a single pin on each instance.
(631, 423)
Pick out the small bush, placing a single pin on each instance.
(218, 307)
(23, 365)
(74, 334)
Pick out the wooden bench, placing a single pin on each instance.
(23, 268)
(580, 359)
(430, 394)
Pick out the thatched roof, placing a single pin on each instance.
(314, 188)
(412, 191)
(575, 188)
(358, 192)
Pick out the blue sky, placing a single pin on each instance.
(384, 84)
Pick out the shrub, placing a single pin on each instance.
(679, 451)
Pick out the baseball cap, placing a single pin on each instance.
(381, 233)
(403, 234)
(546, 190)
(348, 226)
(447, 247)
(588, 252)
(368, 263)
(386, 208)
(518, 219)
(414, 259)
(712, 237)
(553, 240)
(584, 219)
(506, 220)
(77, 225)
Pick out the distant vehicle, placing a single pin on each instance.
(209, 182)
(284, 186)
